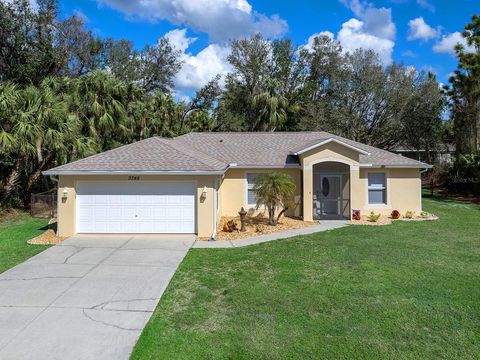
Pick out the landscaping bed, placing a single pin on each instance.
(387, 220)
(258, 225)
(47, 238)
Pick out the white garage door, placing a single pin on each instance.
(135, 207)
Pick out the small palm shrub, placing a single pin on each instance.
(374, 217)
(275, 191)
(409, 214)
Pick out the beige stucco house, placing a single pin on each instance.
(185, 184)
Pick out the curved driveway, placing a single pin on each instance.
(86, 298)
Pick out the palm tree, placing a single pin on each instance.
(37, 130)
(272, 107)
(275, 191)
(98, 99)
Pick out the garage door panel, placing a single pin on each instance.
(138, 207)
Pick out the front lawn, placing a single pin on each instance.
(407, 290)
(13, 240)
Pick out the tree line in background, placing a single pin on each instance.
(66, 94)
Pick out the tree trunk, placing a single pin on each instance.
(281, 213)
(36, 176)
(271, 215)
(11, 181)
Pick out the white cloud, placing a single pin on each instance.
(376, 21)
(426, 5)
(198, 69)
(222, 20)
(447, 43)
(419, 29)
(353, 36)
(179, 40)
(312, 37)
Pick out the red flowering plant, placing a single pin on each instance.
(395, 214)
(356, 214)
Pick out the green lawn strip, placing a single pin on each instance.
(13, 240)
(407, 290)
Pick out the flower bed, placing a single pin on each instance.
(386, 220)
(257, 226)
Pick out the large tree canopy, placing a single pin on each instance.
(66, 93)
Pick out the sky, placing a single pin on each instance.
(420, 33)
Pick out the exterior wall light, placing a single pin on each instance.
(64, 193)
(204, 191)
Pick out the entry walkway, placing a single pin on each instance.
(323, 226)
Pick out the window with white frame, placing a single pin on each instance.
(251, 196)
(377, 189)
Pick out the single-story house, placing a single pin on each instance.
(185, 184)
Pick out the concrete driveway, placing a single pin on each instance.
(87, 298)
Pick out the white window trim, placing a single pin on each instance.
(246, 204)
(383, 206)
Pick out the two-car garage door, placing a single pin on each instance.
(135, 207)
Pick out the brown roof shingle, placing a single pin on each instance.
(215, 151)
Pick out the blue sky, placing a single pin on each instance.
(421, 33)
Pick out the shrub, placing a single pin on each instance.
(356, 215)
(275, 190)
(409, 214)
(424, 215)
(395, 214)
(373, 217)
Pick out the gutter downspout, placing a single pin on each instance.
(52, 177)
(215, 209)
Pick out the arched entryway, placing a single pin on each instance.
(331, 190)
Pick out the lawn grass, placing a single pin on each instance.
(13, 240)
(406, 290)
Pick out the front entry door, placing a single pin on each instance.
(328, 194)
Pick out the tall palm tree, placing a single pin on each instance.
(37, 130)
(271, 106)
(98, 100)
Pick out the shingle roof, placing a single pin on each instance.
(215, 151)
(153, 154)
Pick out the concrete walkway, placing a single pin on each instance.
(87, 298)
(323, 226)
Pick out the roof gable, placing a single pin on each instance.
(317, 144)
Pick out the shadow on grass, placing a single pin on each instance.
(443, 198)
(49, 227)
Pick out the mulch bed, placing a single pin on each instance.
(387, 220)
(258, 225)
(47, 238)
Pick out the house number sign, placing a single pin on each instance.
(134, 177)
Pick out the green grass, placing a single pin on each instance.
(13, 240)
(410, 290)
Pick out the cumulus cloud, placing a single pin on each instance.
(418, 29)
(222, 20)
(200, 68)
(353, 36)
(373, 29)
(376, 21)
(447, 43)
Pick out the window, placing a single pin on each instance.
(251, 196)
(376, 188)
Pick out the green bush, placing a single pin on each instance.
(373, 217)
